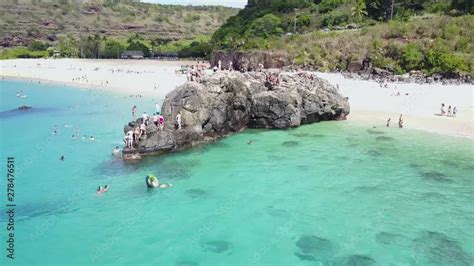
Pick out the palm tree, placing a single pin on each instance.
(359, 10)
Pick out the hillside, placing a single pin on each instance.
(435, 36)
(23, 21)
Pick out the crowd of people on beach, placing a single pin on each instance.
(451, 112)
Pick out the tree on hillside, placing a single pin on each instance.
(265, 26)
(113, 49)
(137, 43)
(359, 10)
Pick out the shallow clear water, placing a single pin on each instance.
(333, 193)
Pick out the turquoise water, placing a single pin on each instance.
(333, 193)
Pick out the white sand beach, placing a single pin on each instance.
(369, 102)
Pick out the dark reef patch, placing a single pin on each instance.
(305, 257)
(374, 153)
(435, 176)
(356, 260)
(217, 246)
(387, 238)
(21, 112)
(384, 138)
(184, 262)
(276, 212)
(307, 135)
(175, 169)
(375, 132)
(196, 193)
(437, 248)
(315, 246)
(366, 189)
(290, 143)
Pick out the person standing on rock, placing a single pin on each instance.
(230, 66)
(178, 120)
(219, 65)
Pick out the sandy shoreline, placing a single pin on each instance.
(369, 102)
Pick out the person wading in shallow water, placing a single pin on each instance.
(400, 121)
(388, 122)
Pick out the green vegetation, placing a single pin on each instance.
(101, 28)
(22, 52)
(435, 36)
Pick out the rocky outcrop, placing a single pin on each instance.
(228, 102)
(249, 60)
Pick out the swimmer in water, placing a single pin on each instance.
(62, 158)
(249, 142)
(92, 138)
(116, 151)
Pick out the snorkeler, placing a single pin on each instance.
(116, 151)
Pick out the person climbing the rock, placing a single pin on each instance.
(145, 118)
(136, 134)
(161, 120)
(178, 120)
(134, 111)
(156, 119)
(142, 130)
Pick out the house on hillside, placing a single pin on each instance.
(132, 55)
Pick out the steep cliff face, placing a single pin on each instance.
(229, 102)
(249, 60)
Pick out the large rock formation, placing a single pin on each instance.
(229, 102)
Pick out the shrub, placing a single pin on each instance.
(445, 63)
(38, 46)
(334, 18)
(412, 58)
